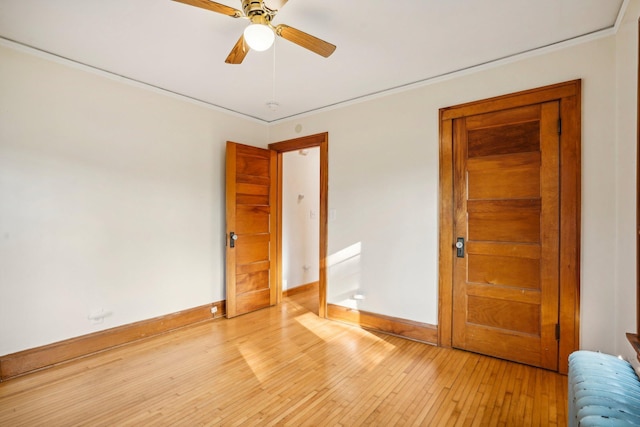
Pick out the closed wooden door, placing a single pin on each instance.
(251, 228)
(506, 218)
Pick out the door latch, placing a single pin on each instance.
(232, 239)
(460, 247)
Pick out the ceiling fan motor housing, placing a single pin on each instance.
(257, 12)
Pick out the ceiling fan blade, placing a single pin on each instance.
(305, 40)
(214, 7)
(238, 52)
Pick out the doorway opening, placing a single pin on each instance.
(300, 220)
(321, 212)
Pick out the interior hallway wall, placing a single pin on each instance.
(300, 217)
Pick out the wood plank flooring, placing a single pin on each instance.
(284, 366)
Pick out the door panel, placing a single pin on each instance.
(502, 177)
(506, 192)
(498, 313)
(528, 350)
(251, 194)
(252, 220)
(251, 198)
(252, 167)
(510, 225)
(252, 301)
(504, 270)
(251, 281)
(252, 251)
(505, 139)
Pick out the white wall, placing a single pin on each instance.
(300, 217)
(625, 175)
(111, 197)
(383, 185)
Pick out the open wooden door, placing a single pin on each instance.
(251, 186)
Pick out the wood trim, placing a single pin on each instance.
(26, 361)
(230, 215)
(300, 289)
(569, 95)
(303, 142)
(633, 338)
(318, 140)
(324, 225)
(278, 263)
(417, 331)
(550, 215)
(446, 238)
(275, 226)
(570, 220)
(527, 97)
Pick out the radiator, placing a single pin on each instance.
(603, 391)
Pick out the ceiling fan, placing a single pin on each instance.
(259, 35)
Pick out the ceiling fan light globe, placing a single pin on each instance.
(259, 37)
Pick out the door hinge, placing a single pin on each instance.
(557, 331)
(559, 126)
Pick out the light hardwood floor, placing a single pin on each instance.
(284, 366)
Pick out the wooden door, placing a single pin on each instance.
(251, 228)
(506, 213)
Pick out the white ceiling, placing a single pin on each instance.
(381, 44)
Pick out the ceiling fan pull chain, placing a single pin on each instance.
(273, 104)
(273, 87)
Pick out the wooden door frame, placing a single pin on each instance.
(569, 96)
(318, 140)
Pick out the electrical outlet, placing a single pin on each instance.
(214, 309)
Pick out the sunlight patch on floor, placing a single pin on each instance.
(359, 350)
(255, 358)
(322, 328)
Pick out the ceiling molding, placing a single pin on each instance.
(621, 13)
(364, 98)
(459, 73)
(119, 78)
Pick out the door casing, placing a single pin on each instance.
(318, 140)
(569, 96)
